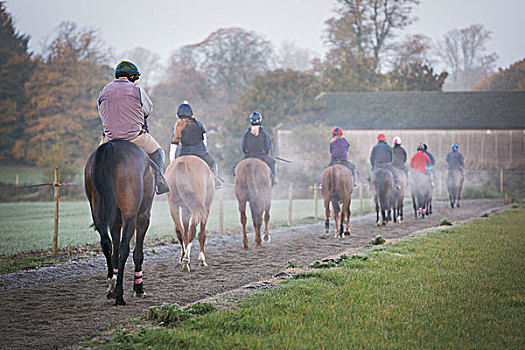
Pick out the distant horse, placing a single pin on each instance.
(119, 185)
(382, 185)
(337, 188)
(454, 184)
(398, 195)
(421, 193)
(191, 192)
(253, 184)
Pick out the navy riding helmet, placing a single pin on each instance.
(256, 118)
(184, 110)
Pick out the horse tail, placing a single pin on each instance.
(102, 172)
(253, 195)
(187, 194)
(335, 195)
(384, 194)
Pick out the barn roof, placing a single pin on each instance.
(423, 110)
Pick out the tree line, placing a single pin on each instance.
(48, 102)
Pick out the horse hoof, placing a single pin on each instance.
(203, 263)
(120, 301)
(139, 295)
(109, 295)
(266, 238)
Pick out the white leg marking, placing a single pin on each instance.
(202, 259)
(112, 282)
(186, 259)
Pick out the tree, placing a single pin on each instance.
(414, 49)
(417, 76)
(364, 29)
(16, 68)
(149, 64)
(510, 79)
(278, 95)
(231, 58)
(465, 56)
(62, 123)
(290, 56)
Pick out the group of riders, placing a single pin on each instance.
(393, 159)
(124, 108)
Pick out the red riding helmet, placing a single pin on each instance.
(381, 137)
(337, 131)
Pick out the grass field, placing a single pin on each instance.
(29, 226)
(462, 287)
(26, 175)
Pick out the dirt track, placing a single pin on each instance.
(54, 308)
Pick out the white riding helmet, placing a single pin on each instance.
(397, 140)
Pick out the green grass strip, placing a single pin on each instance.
(463, 287)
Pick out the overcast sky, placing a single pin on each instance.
(164, 25)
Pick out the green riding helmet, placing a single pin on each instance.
(126, 69)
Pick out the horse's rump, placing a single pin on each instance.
(337, 184)
(115, 163)
(190, 178)
(382, 184)
(253, 183)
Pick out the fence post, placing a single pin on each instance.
(290, 198)
(501, 180)
(17, 180)
(315, 202)
(55, 235)
(221, 211)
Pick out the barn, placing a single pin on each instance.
(488, 126)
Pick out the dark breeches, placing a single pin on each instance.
(267, 159)
(344, 162)
(207, 158)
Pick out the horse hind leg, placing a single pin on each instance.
(266, 220)
(327, 215)
(116, 229)
(202, 240)
(105, 243)
(347, 216)
(244, 219)
(138, 254)
(128, 230)
(188, 240)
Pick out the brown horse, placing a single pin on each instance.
(454, 184)
(382, 183)
(192, 190)
(253, 184)
(398, 195)
(119, 185)
(337, 188)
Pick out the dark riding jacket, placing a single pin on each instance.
(399, 156)
(253, 146)
(455, 160)
(381, 154)
(190, 133)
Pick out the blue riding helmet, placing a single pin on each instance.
(184, 110)
(256, 118)
(455, 147)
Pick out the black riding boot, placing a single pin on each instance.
(272, 173)
(354, 175)
(215, 171)
(160, 182)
